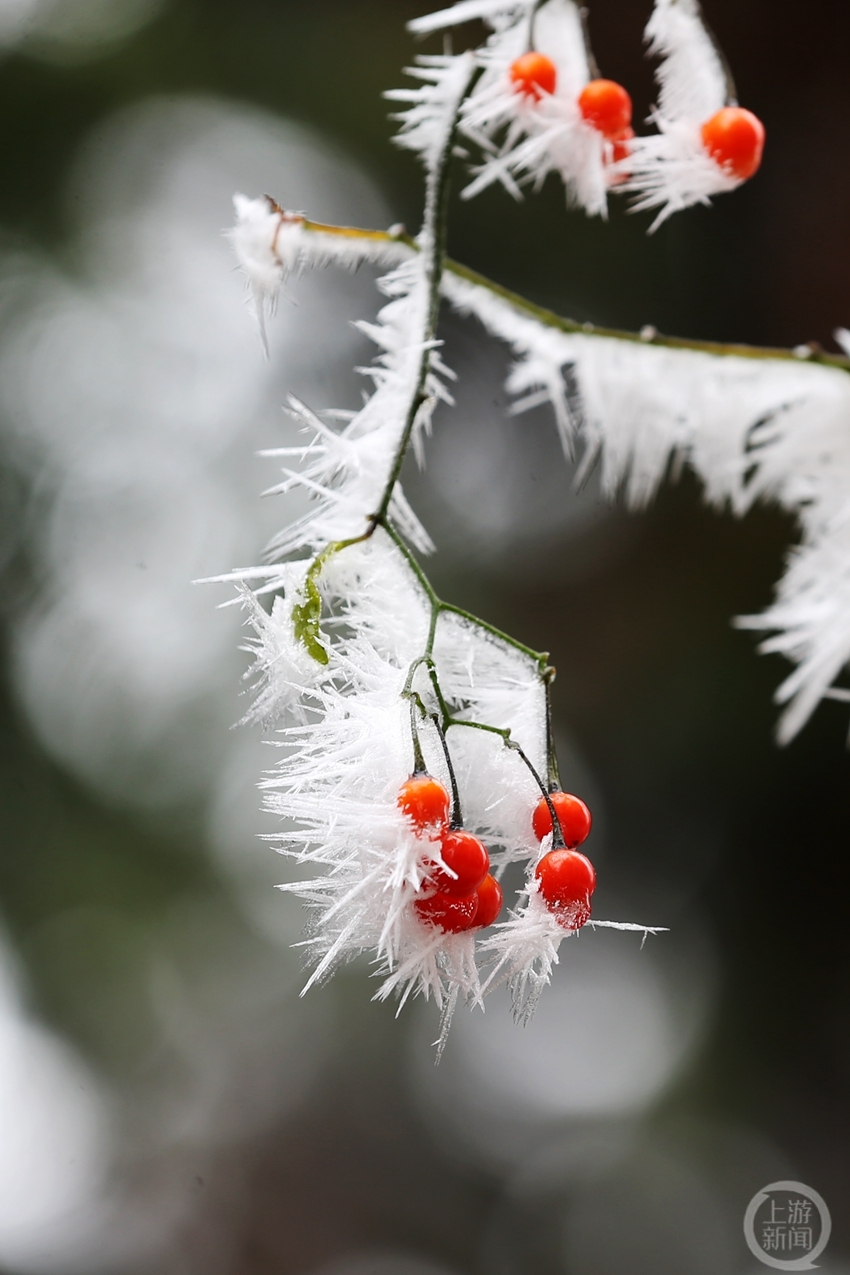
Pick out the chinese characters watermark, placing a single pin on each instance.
(787, 1226)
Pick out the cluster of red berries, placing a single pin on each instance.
(603, 103)
(733, 137)
(466, 896)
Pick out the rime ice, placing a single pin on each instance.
(361, 673)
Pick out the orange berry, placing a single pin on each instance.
(447, 912)
(534, 74)
(425, 802)
(567, 880)
(573, 816)
(734, 138)
(607, 106)
(466, 857)
(489, 901)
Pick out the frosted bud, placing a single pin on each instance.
(267, 243)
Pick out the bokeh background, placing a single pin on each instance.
(168, 1104)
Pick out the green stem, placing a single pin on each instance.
(558, 842)
(432, 242)
(648, 336)
(553, 774)
(552, 320)
(532, 18)
(731, 90)
(592, 64)
(457, 813)
(419, 767)
(541, 658)
(433, 675)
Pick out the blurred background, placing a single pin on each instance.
(168, 1104)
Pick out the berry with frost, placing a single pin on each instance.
(607, 106)
(734, 138)
(573, 816)
(567, 880)
(425, 802)
(466, 859)
(533, 74)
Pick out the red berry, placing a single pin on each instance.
(607, 106)
(467, 858)
(489, 901)
(573, 816)
(447, 912)
(425, 801)
(534, 74)
(567, 880)
(734, 138)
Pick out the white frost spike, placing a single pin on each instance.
(525, 951)
(842, 338)
(524, 139)
(525, 947)
(428, 122)
(438, 965)
(496, 12)
(345, 471)
(374, 594)
(812, 614)
(347, 749)
(539, 374)
(671, 170)
(494, 682)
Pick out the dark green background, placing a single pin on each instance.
(669, 704)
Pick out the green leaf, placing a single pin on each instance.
(306, 617)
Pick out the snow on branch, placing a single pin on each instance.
(774, 428)
(493, 11)
(428, 124)
(751, 428)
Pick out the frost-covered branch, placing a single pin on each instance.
(316, 243)
(412, 732)
(367, 669)
(753, 423)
